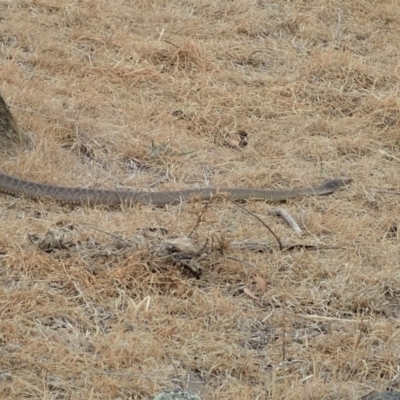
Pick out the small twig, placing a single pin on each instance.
(161, 34)
(309, 247)
(199, 220)
(386, 192)
(339, 28)
(242, 261)
(385, 153)
(251, 245)
(172, 44)
(284, 339)
(257, 218)
(323, 318)
(106, 233)
(287, 218)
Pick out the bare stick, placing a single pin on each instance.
(287, 218)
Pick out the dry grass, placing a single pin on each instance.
(146, 94)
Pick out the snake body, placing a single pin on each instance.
(87, 196)
(12, 138)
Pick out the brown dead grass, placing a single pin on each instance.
(146, 94)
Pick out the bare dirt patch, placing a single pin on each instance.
(157, 95)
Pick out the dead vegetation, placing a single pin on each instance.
(157, 95)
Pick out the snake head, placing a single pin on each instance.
(336, 183)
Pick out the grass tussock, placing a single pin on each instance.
(158, 95)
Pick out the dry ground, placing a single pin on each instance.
(152, 94)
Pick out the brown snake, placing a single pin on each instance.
(85, 196)
(10, 136)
